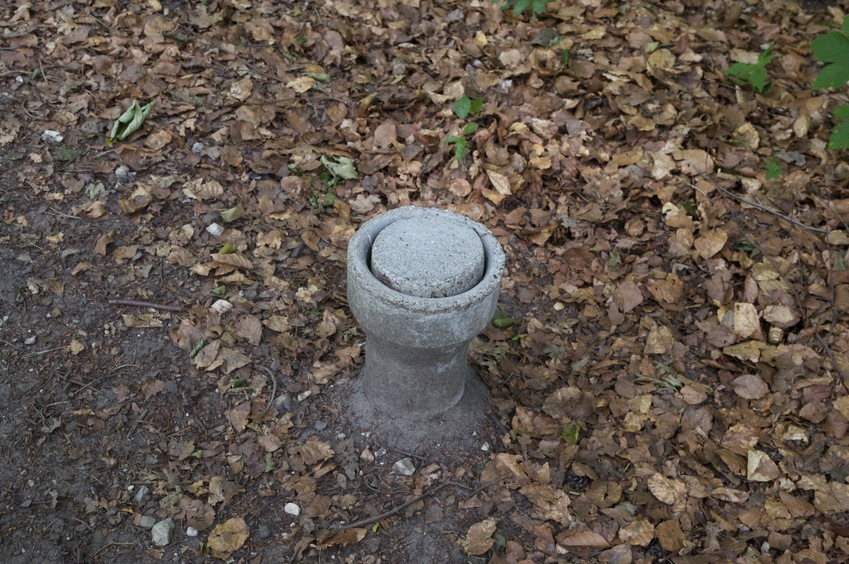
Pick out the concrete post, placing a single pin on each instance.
(422, 283)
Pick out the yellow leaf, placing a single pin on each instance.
(479, 537)
(228, 537)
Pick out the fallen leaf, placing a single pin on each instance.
(750, 386)
(343, 537)
(479, 539)
(228, 537)
(760, 467)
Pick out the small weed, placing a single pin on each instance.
(537, 7)
(773, 170)
(463, 108)
(753, 74)
(832, 48)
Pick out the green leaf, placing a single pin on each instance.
(765, 57)
(470, 128)
(341, 167)
(773, 171)
(454, 139)
(228, 249)
(841, 112)
(839, 136)
(462, 107)
(460, 150)
(571, 433)
(502, 320)
(833, 75)
(232, 214)
(833, 47)
(520, 6)
(564, 57)
(846, 25)
(476, 105)
(131, 120)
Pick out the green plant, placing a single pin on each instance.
(773, 170)
(832, 48)
(463, 108)
(519, 6)
(753, 74)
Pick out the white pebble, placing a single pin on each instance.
(191, 532)
(292, 509)
(214, 229)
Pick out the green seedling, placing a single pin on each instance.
(463, 108)
(773, 170)
(753, 74)
(840, 134)
(537, 7)
(832, 48)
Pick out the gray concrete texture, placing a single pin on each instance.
(417, 384)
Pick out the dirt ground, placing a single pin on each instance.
(668, 371)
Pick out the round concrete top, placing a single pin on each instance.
(428, 257)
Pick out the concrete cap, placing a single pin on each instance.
(428, 257)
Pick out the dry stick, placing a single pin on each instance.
(394, 510)
(139, 303)
(273, 389)
(763, 208)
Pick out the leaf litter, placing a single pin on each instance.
(668, 369)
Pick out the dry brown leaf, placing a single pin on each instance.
(670, 536)
(750, 386)
(749, 351)
(238, 416)
(627, 296)
(228, 537)
(249, 328)
(639, 533)
(343, 537)
(584, 538)
(668, 490)
(746, 320)
(711, 243)
(659, 341)
(479, 539)
(760, 467)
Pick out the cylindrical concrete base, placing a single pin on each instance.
(422, 283)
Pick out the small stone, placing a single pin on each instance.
(283, 402)
(292, 509)
(404, 467)
(30, 340)
(161, 532)
(264, 531)
(320, 425)
(214, 229)
(197, 147)
(191, 532)
(141, 495)
(52, 136)
(304, 395)
(147, 522)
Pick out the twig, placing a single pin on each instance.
(139, 303)
(764, 208)
(138, 422)
(403, 506)
(273, 389)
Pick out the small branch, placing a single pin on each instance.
(273, 390)
(764, 208)
(403, 506)
(139, 303)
